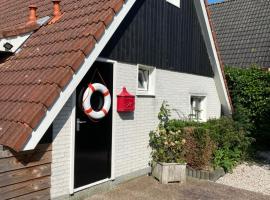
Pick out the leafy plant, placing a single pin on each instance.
(164, 114)
(226, 158)
(250, 92)
(167, 145)
(232, 142)
(199, 147)
(216, 143)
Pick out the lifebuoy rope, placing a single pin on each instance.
(90, 86)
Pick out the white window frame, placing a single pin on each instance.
(203, 117)
(150, 91)
(175, 2)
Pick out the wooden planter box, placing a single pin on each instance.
(169, 172)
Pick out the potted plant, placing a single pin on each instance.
(167, 151)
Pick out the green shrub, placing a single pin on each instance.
(198, 147)
(226, 158)
(167, 145)
(250, 92)
(226, 132)
(216, 143)
(175, 125)
(231, 140)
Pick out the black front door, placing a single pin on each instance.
(93, 138)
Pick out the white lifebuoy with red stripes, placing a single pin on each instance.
(87, 103)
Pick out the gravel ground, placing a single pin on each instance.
(252, 177)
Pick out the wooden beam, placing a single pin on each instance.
(24, 161)
(39, 195)
(17, 176)
(23, 188)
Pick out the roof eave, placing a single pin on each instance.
(76, 79)
(214, 56)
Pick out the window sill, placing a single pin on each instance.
(144, 94)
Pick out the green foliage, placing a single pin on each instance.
(226, 158)
(164, 114)
(180, 124)
(167, 145)
(228, 133)
(216, 143)
(232, 142)
(250, 92)
(198, 147)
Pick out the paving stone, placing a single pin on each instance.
(150, 189)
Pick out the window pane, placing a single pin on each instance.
(146, 78)
(140, 80)
(143, 79)
(196, 107)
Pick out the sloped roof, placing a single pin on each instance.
(243, 31)
(36, 82)
(32, 79)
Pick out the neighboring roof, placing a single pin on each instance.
(243, 31)
(32, 79)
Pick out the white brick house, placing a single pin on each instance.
(160, 51)
(131, 153)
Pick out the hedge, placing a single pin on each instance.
(250, 92)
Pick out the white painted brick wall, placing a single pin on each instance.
(61, 146)
(176, 88)
(131, 130)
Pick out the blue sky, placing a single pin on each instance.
(214, 1)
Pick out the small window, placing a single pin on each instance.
(174, 2)
(146, 80)
(197, 108)
(143, 79)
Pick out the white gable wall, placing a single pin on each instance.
(131, 151)
(177, 88)
(131, 133)
(131, 129)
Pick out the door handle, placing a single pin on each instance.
(81, 122)
(78, 121)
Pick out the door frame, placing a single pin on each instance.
(72, 190)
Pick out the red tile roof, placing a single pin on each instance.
(32, 79)
(18, 30)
